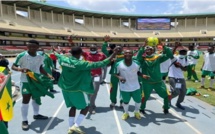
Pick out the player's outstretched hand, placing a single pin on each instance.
(107, 38)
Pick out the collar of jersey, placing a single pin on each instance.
(120, 56)
(151, 58)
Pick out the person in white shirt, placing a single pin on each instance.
(127, 72)
(176, 77)
(164, 66)
(208, 67)
(29, 60)
(192, 57)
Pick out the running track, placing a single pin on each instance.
(198, 118)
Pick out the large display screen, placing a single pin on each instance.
(153, 24)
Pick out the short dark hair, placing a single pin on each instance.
(76, 50)
(112, 46)
(110, 52)
(33, 42)
(192, 45)
(182, 51)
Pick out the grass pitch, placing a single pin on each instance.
(211, 98)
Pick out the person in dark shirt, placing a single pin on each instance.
(4, 62)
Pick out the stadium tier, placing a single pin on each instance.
(51, 24)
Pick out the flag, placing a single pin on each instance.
(3, 128)
(169, 91)
(39, 86)
(6, 101)
(142, 97)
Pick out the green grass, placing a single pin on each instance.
(211, 98)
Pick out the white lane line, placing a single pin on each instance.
(176, 114)
(115, 115)
(55, 114)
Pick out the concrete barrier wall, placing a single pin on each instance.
(10, 55)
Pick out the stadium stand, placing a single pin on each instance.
(50, 25)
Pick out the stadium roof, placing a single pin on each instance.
(79, 12)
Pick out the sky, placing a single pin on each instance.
(147, 7)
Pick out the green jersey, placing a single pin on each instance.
(104, 49)
(76, 74)
(117, 58)
(48, 64)
(150, 65)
